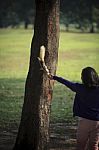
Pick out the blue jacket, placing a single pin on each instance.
(86, 102)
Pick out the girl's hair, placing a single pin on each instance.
(90, 77)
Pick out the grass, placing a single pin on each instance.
(14, 52)
(11, 100)
(76, 51)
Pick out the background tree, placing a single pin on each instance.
(81, 13)
(14, 12)
(26, 11)
(33, 133)
(3, 12)
(67, 16)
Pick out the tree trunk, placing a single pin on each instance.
(91, 17)
(33, 133)
(92, 28)
(26, 23)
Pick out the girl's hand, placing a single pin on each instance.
(50, 76)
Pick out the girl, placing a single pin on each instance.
(86, 107)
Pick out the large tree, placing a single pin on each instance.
(33, 133)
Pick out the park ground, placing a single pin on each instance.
(62, 137)
(76, 51)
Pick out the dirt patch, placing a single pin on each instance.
(62, 137)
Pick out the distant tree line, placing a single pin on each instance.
(82, 14)
(14, 12)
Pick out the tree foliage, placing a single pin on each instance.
(81, 13)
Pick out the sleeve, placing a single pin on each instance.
(69, 84)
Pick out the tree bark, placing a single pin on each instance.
(33, 133)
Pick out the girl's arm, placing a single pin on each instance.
(69, 84)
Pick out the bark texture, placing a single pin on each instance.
(33, 133)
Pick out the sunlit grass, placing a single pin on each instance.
(14, 52)
(75, 52)
(78, 41)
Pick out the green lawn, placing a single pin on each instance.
(76, 51)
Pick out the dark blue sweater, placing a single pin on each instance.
(86, 102)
